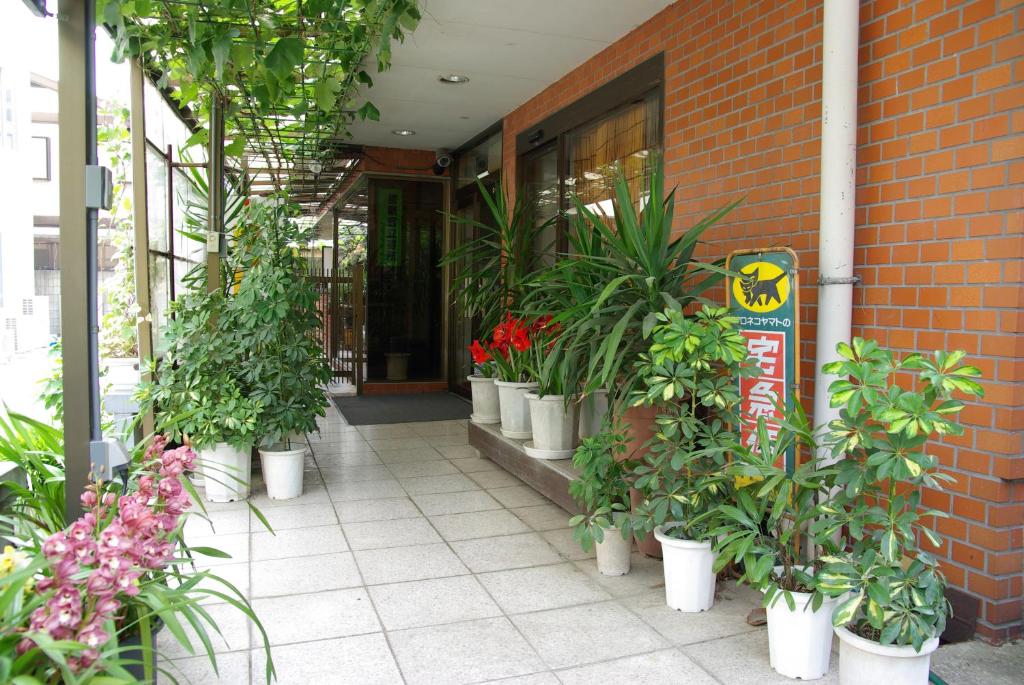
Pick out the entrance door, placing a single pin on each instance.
(405, 316)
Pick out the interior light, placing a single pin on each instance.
(483, 174)
(592, 176)
(316, 167)
(404, 132)
(642, 154)
(454, 79)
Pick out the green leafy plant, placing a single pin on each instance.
(766, 528)
(491, 271)
(623, 271)
(37, 449)
(601, 488)
(881, 442)
(692, 371)
(275, 310)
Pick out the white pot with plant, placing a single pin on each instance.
(284, 362)
(201, 394)
(515, 376)
(894, 607)
(682, 479)
(486, 409)
(602, 491)
(553, 410)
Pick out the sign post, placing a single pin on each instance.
(765, 298)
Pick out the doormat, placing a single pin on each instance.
(429, 406)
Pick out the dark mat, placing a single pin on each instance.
(429, 406)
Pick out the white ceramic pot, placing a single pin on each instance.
(593, 409)
(800, 640)
(865, 662)
(553, 423)
(397, 366)
(227, 472)
(485, 400)
(613, 553)
(282, 471)
(689, 576)
(515, 410)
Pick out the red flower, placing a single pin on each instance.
(520, 340)
(478, 353)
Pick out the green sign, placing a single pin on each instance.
(765, 297)
(389, 227)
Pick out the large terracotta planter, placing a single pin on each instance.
(639, 431)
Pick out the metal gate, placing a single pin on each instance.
(342, 306)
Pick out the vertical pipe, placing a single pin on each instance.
(215, 192)
(79, 388)
(838, 190)
(91, 223)
(140, 205)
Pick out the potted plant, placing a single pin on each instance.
(275, 307)
(199, 394)
(510, 346)
(481, 383)
(896, 608)
(553, 406)
(692, 373)
(602, 491)
(767, 531)
(620, 273)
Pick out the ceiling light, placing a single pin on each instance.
(453, 79)
(404, 132)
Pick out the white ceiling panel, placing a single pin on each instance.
(510, 49)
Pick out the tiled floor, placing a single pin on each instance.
(408, 559)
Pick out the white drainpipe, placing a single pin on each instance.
(838, 190)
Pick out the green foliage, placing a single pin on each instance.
(601, 488)
(290, 71)
(275, 314)
(37, 449)
(622, 272)
(881, 440)
(765, 527)
(492, 270)
(692, 372)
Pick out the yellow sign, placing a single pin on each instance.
(762, 287)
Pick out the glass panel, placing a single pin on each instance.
(623, 139)
(481, 161)
(184, 246)
(540, 177)
(160, 297)
(156, 199)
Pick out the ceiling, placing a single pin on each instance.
(509, 50)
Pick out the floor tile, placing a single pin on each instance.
(543, 516)
(474, 464)
(368, 458)
(748, 660)
(645, 575)
(505, 552)
(541, 587)
(460, 452)
(386, 430)
(426, 428)
(447, 440)
(197, 670)
(237, 575)
(297, 542)
(478, 524)
(376, 510)
(358, 660)
(221, 522)
(315, 616)
(234, 634)
(382, 444)
(562, 540)
(404, 456)
(668, 667)
(299, 516)
(432, 602)
(570, 637)
(544, 678)
(435, 484)
(354, 474)
(726, 618)
(236, 545)
(417, 469)
(304, 574)
(456, 502)
(391, 533)
(400, 564)
(516, 496)
(496, 479)
(374, 489)
(313, 492)
(463, 652)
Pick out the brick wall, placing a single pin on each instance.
(940, 188)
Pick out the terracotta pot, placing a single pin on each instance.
(640, 429)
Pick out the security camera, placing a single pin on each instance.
(442, 160)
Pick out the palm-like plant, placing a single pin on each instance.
(493, 268)
(622, 272)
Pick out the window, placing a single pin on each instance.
(41, 159)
